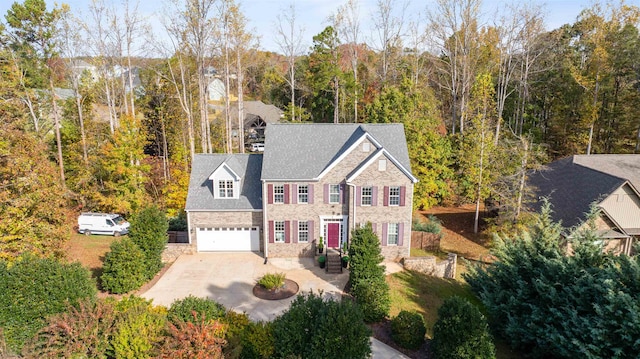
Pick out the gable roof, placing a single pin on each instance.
(622, 166)
(246, 166)
(572, 187)
(304, 151)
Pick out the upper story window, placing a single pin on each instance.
(278, 231)
(392, 234)
(303, 194)
(334, 193)
(278, 194)
(225, 189)
(303, 231)
(367, 193)
(394, 196)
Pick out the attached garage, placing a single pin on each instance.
(229, 239)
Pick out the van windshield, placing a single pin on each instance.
(119, 220)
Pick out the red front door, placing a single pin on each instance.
(333, 235)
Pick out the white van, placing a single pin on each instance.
(102, 223)
(257, 147)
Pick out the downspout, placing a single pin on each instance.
(189, 226)
(265, 223)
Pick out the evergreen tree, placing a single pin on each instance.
(149, 231)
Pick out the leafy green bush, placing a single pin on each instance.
(178, 223)
(317, 328)
(236, 323)
(149, 231)
(197, 339)
(272, 280)
(82, 332)
(368, 284)
(205, 309)
(461, 332)
(408, 329)
(124, 267)
(32, 289)
(572, 304)
(139, 328)
(257, 341)
(432, 225)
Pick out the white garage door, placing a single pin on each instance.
(228, 239)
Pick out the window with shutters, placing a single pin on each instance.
(278, 231)
(394, 196)
(367, 193)
(303, 194)
(303, 231)
(278, 193)
(334, 193)
(392, 234)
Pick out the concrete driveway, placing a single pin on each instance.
(228, 278)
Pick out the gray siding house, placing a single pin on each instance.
(610, 182)
(315, 182)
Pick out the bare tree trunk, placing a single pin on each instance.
(240, 77)
(56, 122)
(523, 176)
(289, 40)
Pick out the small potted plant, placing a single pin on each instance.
(322, 260)
(345, 261)
(320, 245)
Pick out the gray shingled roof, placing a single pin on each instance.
(303, 151)
(247, 166)
(571, 188)
(623, 166)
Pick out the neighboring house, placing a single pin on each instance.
(314, 181)
(215, 89)
(610, 182)
(257, 115)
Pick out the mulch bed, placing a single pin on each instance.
(382, 332)
(289, 289)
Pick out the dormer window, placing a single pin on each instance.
(225, 189)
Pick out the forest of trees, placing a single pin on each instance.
(482, 102)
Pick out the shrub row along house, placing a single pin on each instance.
(314, 182)
(610, 182)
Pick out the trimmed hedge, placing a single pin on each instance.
(183, 310)
(34, 288)
(124, 267)
(461, 332)
(149, 231)
(408, 329)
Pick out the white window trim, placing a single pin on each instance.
(396, 196)
(276, 193)
(331, 186)
(396, 228)
(225, 186)
(306, 224)
(276, 232)
(369, 196)
(305, 194)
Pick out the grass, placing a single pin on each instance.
(424, 294)
(89, 251)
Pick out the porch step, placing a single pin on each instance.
(334, 263)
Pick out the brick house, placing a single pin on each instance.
(314, 182)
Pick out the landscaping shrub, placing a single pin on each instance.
(32, 289)
(178, 223)
(366, 274)
(236, 323)
(461, 332)
(139, 327)
(432, 225)
(316, 328)
(184, 309)
(198, 339)
(272, 280)
(257, 341)
(149, 231)
(408, 329)
(124, 267)
(82, 332)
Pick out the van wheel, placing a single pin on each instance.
(87, 232)
(116, 234)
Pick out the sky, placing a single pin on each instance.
(313, 14)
